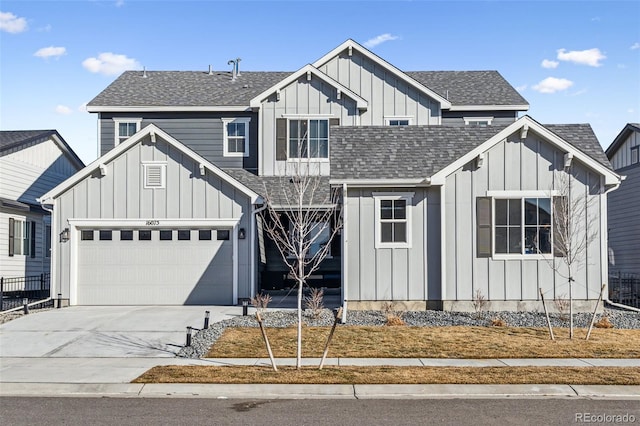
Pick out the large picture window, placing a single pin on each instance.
(309, 138)
(521, 226)
(236, 137)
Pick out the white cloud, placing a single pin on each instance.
(110, 64)
(552, 85)
(590, 57)
(63, 110)
(631, 111)
(45, 29)
(635, 46)
(119, 3)
(549, 64)
(379, 40)
(11, 23)
(521, 88)
(51, 51)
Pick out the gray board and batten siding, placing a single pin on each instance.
(202, 132)
(120, 195)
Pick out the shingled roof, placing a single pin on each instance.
(470, 87)
(11, 140)
(412, 152)
(201, 89)
(185, 89)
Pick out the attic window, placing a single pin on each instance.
(155, 175)
(635, 153)
(398, 121)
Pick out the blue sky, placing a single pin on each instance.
(575, 62)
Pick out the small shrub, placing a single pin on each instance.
(562, 305)
(498, 322)
(393, 315)
(314, 301)
(604, 322)
(261, 301)
(479, 302)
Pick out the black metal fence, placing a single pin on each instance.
(624, 288)
(13, 290)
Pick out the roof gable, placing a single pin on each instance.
(351, 45)
(310, 70)
(621, 138)
(153, 132)
(12, 140)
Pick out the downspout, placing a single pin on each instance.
(605, 247)
(254, 213)
(344, 253)
(53, 281)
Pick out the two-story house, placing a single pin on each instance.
(32, 162)
(445, 190)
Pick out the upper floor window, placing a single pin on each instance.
(478, 121)
(635, 153)
(393, 219)
(309, 138)
(125, 128)
(397, 121)
(236, 137)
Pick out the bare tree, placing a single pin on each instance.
(302, 218)
(574, 228)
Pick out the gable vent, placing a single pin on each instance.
(154, 175)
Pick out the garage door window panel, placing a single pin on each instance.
(204, 235)
(166, 235)
(126, 235)
(144, 235)
(184, 234)
(86, 235)
(105, 235)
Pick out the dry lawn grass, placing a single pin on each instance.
(394, 375)
(430, 342)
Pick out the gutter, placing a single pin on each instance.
(344, 253)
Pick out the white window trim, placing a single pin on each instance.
(225, 135)
(116, 129)
(634, 150)
(469, 120)
(163, 173)
(380, 196)
(510, 195)
(389, 118)
(327, 118)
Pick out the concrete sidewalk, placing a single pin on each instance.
(112, 377)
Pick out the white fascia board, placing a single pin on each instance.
(381, 183)
(361, 103)
(65, 150)
(489, 108)
(444, 103)
(611, 178)
(231, 108)
(153, 223)
(133, 140)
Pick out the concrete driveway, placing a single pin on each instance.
(105, 331)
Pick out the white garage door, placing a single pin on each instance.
(155, 267)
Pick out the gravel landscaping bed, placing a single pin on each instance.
(203, 339)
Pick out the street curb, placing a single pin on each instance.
(282, 391)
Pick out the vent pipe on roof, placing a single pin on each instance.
(144, 72)
(238, 67)
(210, 70)
(233, 69)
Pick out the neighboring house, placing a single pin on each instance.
(168, 214)
(624, 204)
(32, 162)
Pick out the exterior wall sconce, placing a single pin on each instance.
(242, 234)
(64, 235)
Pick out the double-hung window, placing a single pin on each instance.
(236, 137)
(393, 219)
(125, 128)
(518, 226)
(309, 139)
(21, 237)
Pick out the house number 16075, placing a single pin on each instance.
(153, 222)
